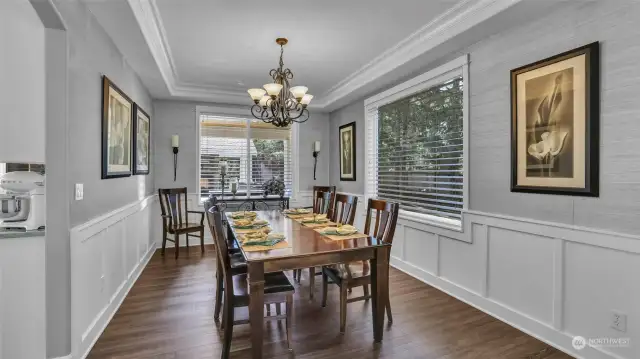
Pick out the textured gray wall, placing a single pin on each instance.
(614, 24)
(91, 55)
(348, 114)
(179, 118)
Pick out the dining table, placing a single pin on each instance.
(306, 247)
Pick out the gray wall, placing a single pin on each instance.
(179, 118)
(73, 145)
(91, 55)
(614, 24)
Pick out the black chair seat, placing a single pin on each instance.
(273, 283)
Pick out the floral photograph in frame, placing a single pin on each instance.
(117, 130)
(141, 141)
(555, 124)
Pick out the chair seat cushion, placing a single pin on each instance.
(273, 283)
(357, 269)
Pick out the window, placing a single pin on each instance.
(416, 145)
(253, 150)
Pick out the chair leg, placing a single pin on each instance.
(325, 287)
(219, 289)
(343, 306)
(268, 306)
(365, 289)
(177, 244)
(312, 282)
(164, 240)
(389, 316)
(289, 309)
(278, 310)
(202, 241)
(228, 326)
(187, 235)
(295, 274)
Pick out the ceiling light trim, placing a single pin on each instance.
(459, 18)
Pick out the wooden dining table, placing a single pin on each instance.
(309, 248)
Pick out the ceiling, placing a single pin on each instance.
(214, 50)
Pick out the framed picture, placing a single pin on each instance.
(347, 141)
(141, 140)
(555, 108)
(117, 120)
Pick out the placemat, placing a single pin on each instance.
(319, 225)
(335, 237)
(294, 216)
(280, 245)
(250, 229)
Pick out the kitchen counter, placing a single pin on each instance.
(9, 234)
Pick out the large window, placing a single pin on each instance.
(415, 139)
(254, 151)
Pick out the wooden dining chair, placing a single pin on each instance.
(323, 198)
(277, 289)
(357, 274)
(175, 218)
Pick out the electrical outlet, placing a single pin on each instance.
(619, 321)
(79, 191)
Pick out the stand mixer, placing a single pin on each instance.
(25, 190)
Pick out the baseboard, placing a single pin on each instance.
(101, 321)
(520, 321)
(64, 357)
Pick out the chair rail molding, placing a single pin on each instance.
(459, 18)
(108, 254)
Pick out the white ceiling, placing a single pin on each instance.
(231, 44)
(213, 50)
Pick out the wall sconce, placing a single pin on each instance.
(175, 144)
(316, 151)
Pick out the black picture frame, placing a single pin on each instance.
(591, 124)
(107, 86)
(134, 147)
(352, 165)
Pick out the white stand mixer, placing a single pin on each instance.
(26, 190)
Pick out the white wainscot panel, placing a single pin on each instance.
(421, 249)
(521, 272)
(107, 256)
(465, 264)
(599, 281)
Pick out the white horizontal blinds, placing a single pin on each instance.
(222, 139)
(420, 151)
(270, 154)
(254, 151)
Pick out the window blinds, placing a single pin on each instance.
(254, 151)
(416, 151)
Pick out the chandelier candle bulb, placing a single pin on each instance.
(273, 89)
(256, 94)
(264, 100)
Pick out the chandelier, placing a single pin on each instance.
(280, 104)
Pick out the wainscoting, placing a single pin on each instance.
(549, 280)
(107, 256)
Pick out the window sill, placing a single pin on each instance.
(450, 224)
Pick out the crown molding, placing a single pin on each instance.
(458, 19)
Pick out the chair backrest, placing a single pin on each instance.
(386, 214)
(214, 218)
(330, 189)
(323, 202)
(173, 206)
(344, 208)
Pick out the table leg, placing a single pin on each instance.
(256, 307)
(379, 288)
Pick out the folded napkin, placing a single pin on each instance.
(340, 231)
(270, 240)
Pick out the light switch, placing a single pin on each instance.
(79, 191)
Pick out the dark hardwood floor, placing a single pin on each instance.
(169, 315)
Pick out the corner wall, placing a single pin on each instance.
(553, 266)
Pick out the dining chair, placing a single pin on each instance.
(357, 274)
(277, 289)
(323, 198)
(175, 218)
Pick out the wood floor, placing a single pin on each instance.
(169, 315)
